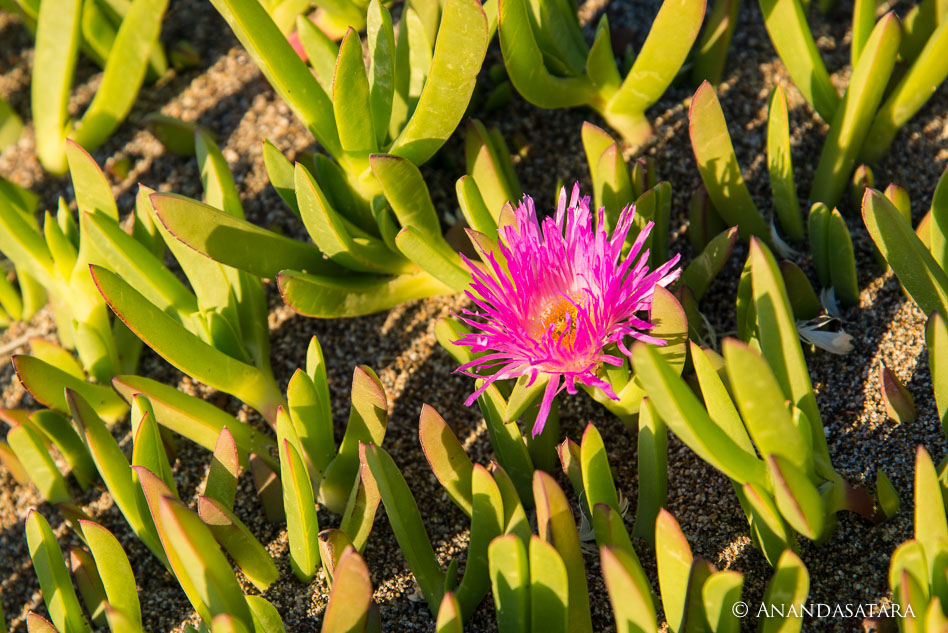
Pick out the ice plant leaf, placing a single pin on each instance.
(487, 523)
(797, 498)
(29, 448)
(234, 241)
(673, 555)
(50, 569)
(924, 280)
(46, 382)
(221, 485)
(114, 570)
(351, 595)
(594, 464)
(198, 420)
(936, 337)
(449, 615)
(705, 267)
(718, 165)
(447, 458)
(509, 576)
(301, 522)
(780, 167)
(789, 586)
(403, 514)
(852, 118)
(652, 466)
(791, 36)
(631, 602)
(244, 548)
(720, 595)
(556, 526)
(576, 295)
(549, 589)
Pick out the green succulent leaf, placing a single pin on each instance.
(351, 595)
(780, 167)
(487, 523)
(380, 36)
(115, 471)
(797, 498)
(789, 585)
(239, 542)
(301, 522)
(368, 420)
(652, 466)
(199, 421)
(360, 510)
(510, 583)
(350, 100)
(283, 68)
(449, 615)
(50, 569)
(148, 450)
(114, 569)
(597, 476)
(184, 350)
(711, 50)
(46, 382)
(936, 337)
(921, 276)
(688, 419)
(447, 458)
(56, 51)
(549, 589)
(458, 55)
(705, 267)
(330, 297)
(403, 514)
(57, 429)
(787, 26)
(234, 241)
(632, 604)
(852, 118)
(718, 165)
(29, 448)
(720, 594)
(556, 526)
(674, 559)
(508, 443)
(124, 72)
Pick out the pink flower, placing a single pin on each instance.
(566, 294)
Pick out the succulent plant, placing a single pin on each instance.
(792, 486)
(11, 125)
(119, 36)
(916, 572)
(711, 49)
(881, 96)
(405, 106)
(551, 66)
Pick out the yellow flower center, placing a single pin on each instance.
(560, 314)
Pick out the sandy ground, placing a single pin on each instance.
(228, 95)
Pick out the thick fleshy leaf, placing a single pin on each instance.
(115, 471)
(93, 192)
(791, 36)
(555, 525)
(435, 256)
(705, 267)
(487, 523)
(357, 295)
(221, 484)
(652, 466)
(301, 523)
(29, 448)
(770, 531)
(788, 587)
(56, 50)
(688, 419)
(852, 118)
(236, 242)
(148, 449)
(458, 54)
(45, 383)
(449, 615)
(780, 167)
(711, 50)
(508, 443)
(931, 527)
(88, 583)
(509, 576)
(632, 604)
(350, 597)
(50, 569)
(526, 67)
(186, 351)
(920, 274)
(201, 560)
(597, 476)
(797, 498)
(925, 74)
(718, 165)
(403, 514)
(360, 510)
(886, 495)
(114, 570)
(368, 420)
(350, 99)
(549, 589)
(670, 38)
(380, 37)
(936, 337)
(124, 72)
(239, 542)
(447, 458)
(780, 345)
(283, 68)
(762, 406)
(673, 555)
(198, 420)
(721, 593)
